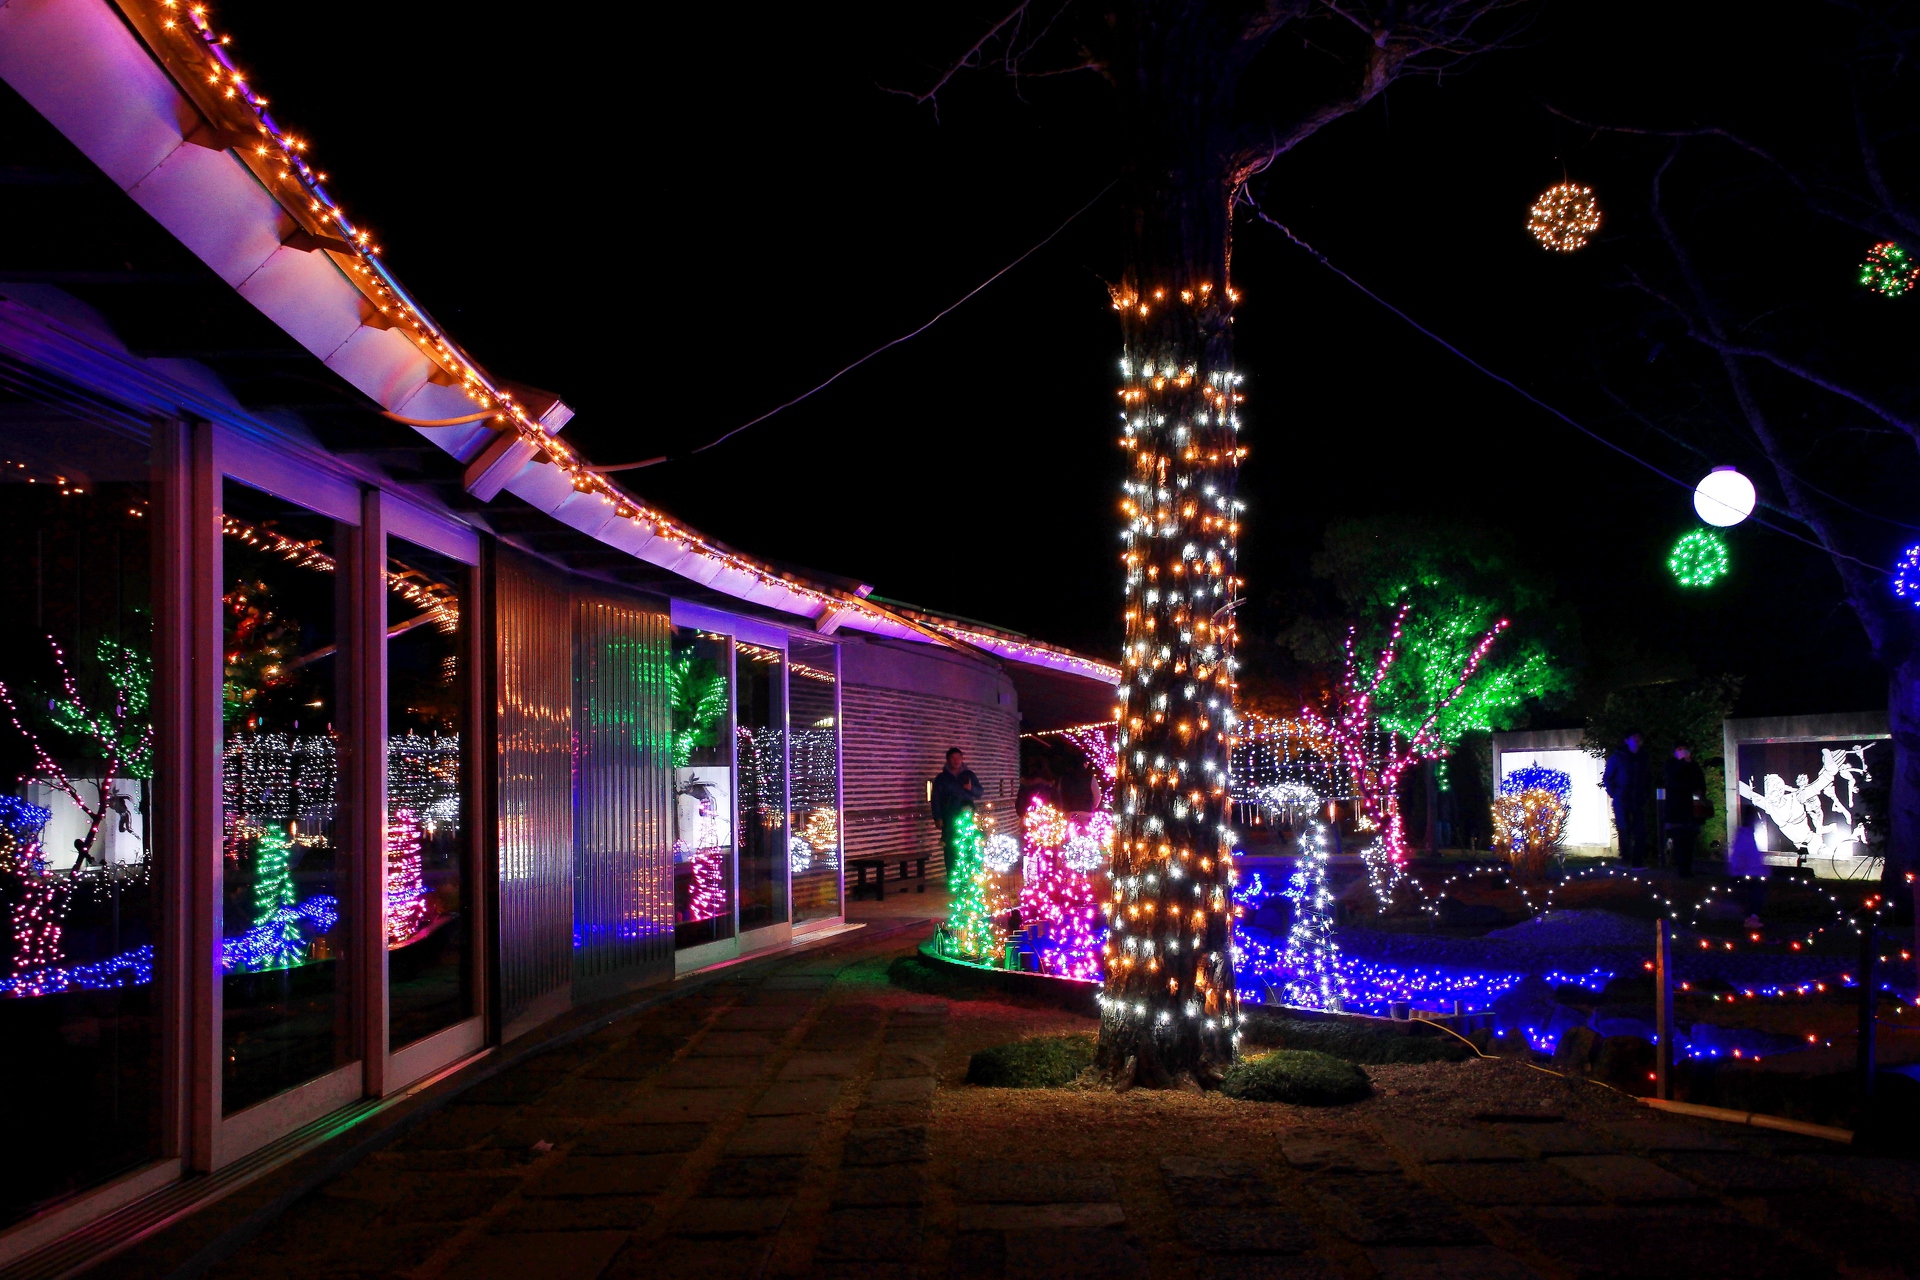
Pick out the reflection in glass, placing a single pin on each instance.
(702, 787)
(79, 1049)
(286, 1007)
(813, 849)
(429, 962)
(760, 747)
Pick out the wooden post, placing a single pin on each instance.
(1864, 1056)
(1663, 1008)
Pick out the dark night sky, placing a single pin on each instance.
(681, 219)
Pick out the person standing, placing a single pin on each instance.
(1629, 783)
(1685, 784)
(955, 788)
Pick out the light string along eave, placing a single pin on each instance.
(195, 41)
(1247, 198)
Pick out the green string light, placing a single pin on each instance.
(1699, 559)
(1889, 270)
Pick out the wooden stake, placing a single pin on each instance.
(1663, 1009)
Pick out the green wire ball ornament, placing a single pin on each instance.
(1889, 270)
(1699, 559)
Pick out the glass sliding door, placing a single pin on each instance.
(429, 951)
(286, 988)
(814, 818)
(80, 1047)
(700, 695)
(761, 749)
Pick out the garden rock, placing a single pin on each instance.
(1625, 1062)
(1574, 1052)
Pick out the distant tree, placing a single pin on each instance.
(1801, 364)
(1205, 94)
(1665, 713)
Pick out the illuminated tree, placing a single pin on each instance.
(276, 924)
(1205, 95)
(697, 692)
(112, 730)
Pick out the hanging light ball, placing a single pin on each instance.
(1001, 853)
(1564, 216)
(1889, 270)
(1906, 576)
(1699, 559)
(1724, 497)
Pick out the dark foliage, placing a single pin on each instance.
(1044, 1062)
(1299, 1076)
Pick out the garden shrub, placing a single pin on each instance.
(1044, 1062)
(1300, 1076)
(1355, 1042)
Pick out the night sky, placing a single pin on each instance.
(686, 215)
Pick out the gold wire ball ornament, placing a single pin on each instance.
(1564, 216)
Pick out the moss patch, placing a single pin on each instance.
(1300, 1076)
(1044, 1062)
(1358, 1043)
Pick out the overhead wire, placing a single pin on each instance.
(964, 298)
(1246, 197)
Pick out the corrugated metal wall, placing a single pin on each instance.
(895, 740)
(535, 731)
(623, 861)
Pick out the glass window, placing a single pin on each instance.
(814, 847)
(429, 959)
(79, 1044)
(287, 1013)
(698, 689)
(760, 746)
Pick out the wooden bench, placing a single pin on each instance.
(861, 866)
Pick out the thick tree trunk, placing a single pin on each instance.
(1170, 1008)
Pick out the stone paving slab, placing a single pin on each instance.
(838, 1066)
(771, 1019)
(1631, 1179)
(1612, 1243)
(1325, 1155)
(1432, 1144)
(1038, 1217)
(885, 1146)
(1381, 1209)
(1244, 1230)
(1070, 1254)
(1858, 1238)
(1555, 1139)
(1000, 1182)
(797, 1098)
(1198, 1182)
(889, 1185)
(1530, 1182)
(755, 1177)
(1271, 1267)
(775, 1136)
(1739, 1174)
(588, 1213)
(641, 1139)
(897, 1065)
(578, 1175)
(735, 1259)
(734, 1044)
(1882, 1175)
(1668, 1135)
(871, 1235)
(1457, 1262)
(684, 1106)
(552, 1255)
(712, 1073)
(719, 1216)
(907, 1089)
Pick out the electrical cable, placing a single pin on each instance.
(1525, 394)
(885, 346)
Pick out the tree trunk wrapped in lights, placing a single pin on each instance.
(1170, 1009)
(1191, 143)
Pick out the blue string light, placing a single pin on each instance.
(1906, 576)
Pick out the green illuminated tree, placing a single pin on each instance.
(698, 695)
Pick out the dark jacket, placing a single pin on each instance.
(1683, 780)
(1629, 777)
(953, 792)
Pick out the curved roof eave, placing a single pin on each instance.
(115, 98)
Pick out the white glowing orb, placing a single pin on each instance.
(1724, 497)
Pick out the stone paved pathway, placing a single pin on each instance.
(801, 1123)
